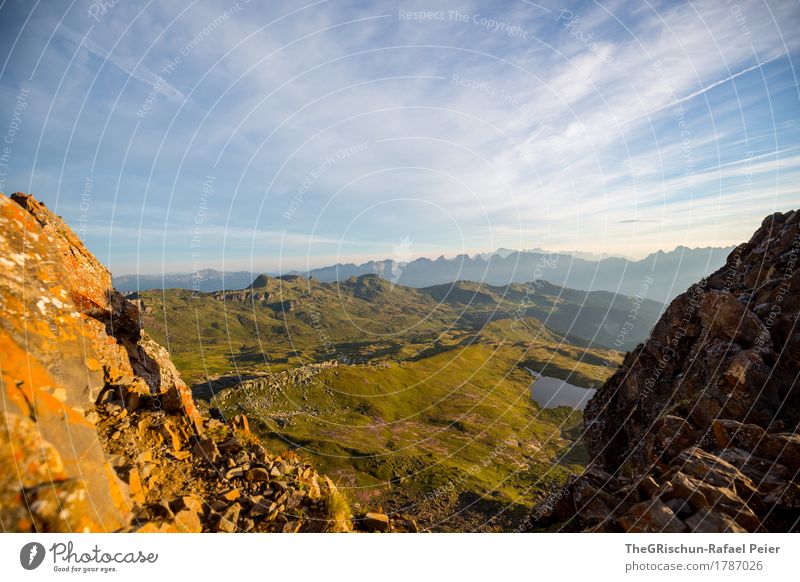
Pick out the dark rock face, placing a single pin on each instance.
(697, 430)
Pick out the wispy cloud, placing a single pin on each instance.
(706, 89)
(374, 127)
(128, 65)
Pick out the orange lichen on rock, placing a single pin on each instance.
(98, 432)
(66, 337)
(89, 281)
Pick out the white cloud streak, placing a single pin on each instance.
(127, 65)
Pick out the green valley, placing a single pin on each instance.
(414, 401)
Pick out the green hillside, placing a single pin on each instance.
(422, 437)
(292, 321)
(414, 400)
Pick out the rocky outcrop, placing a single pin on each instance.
(221, 482)
(265, 291)
(245, 296)
(270, 382)
(697, 430)
(98, 432)
(132, 363)
(56, 360)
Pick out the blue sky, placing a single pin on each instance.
(233, 135)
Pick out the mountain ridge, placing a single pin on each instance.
(616, 274)
(293, 320)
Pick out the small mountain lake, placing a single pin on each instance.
(551, 392)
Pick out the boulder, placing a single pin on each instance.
(229, 519)
(258, 474)
(651, 517)
(207, 449)
(375, 522)
(706, 521)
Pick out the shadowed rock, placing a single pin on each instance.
(702, 419)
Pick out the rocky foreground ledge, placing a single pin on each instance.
(698, 429)
(97, 430)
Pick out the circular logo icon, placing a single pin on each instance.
(31, 555)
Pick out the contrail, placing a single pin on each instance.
(712, 85)
(701, 91)
(140, 73)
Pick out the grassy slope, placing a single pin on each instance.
(367, 319)
(440, 422)
(457, 422)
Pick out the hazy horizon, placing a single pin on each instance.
(370, 258)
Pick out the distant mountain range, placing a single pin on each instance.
(205, 280)
(659, 276)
